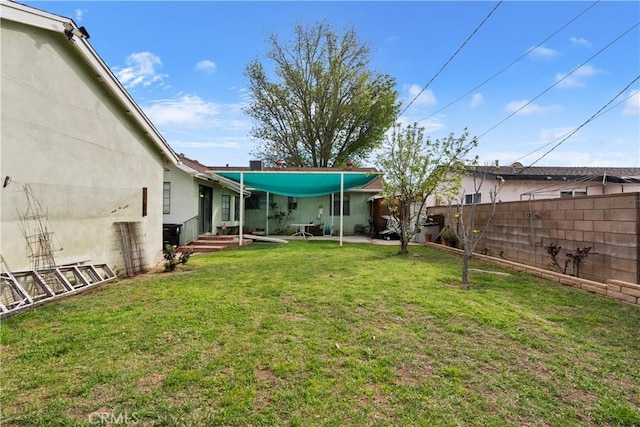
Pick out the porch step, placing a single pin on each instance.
(211, 243)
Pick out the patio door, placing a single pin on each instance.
(205, 210)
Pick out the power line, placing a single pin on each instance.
(559, 81)
(451, 58)
(512, 63)
(582, 125)
(562, 136)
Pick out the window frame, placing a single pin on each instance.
(474, 198)
(335, 206)
(166, 197)
(225, 208)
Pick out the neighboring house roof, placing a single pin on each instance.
(518, 172)
(198, 170)
(65, 27)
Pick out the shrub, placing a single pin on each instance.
(171, 257)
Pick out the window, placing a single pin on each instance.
(236, 208)
(256, 201)
(573, 193)
(166, 198)
(226, 207)
(144, 201)
(293, 203)
(470, 199)
(335, 209)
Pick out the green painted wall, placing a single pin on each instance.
(314, 210)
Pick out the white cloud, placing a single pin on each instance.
(554, 134)
(78, 14)
(632, 105)
(187, 110)
(225, 143)
(426, 98)
(476, 100)
(542, 52)
(578, 41)
(521, 107)
(206, 66)
(577, 78)
(430, 125)
(140, 70)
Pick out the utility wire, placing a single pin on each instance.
(562, 136)
(581, 126)
(559, 81)
(512, 64)
(450, 59)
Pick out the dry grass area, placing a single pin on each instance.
(308, 333)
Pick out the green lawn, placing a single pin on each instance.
(309, 333)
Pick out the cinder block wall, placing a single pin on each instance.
(609, 224)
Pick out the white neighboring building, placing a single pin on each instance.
(543, 182)
(80, 163)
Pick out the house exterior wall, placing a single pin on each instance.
(84, 158)
(308, 212)
(516, 190)
(218, 222)
(609, 224)
(183, 197)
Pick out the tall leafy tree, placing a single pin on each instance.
(324, 107)
(415, 167)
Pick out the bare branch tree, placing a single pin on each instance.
(465, 222)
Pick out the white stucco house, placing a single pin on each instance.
(519, 182)
(81, 165)
(193, 200)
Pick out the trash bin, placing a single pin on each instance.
(171, 234)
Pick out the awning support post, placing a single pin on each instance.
(341, 206)
(266, 228)
(240, 228)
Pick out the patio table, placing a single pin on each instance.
(302, 230)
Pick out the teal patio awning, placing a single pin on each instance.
(301, 183)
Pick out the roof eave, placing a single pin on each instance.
(37, 18)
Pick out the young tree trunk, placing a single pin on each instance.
(465, 270)
(403, 237)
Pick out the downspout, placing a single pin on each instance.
(333, 214)
(604, 182)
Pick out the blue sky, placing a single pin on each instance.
(183, 63)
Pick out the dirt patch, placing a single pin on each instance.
(267, 381)
(294, 317)
(151, 382)
(414, 374)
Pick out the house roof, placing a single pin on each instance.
(518, 172)
(77, 36)
(198, 170)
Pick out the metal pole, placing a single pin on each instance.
(341, 206)
(240, 230)
(266, 228)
